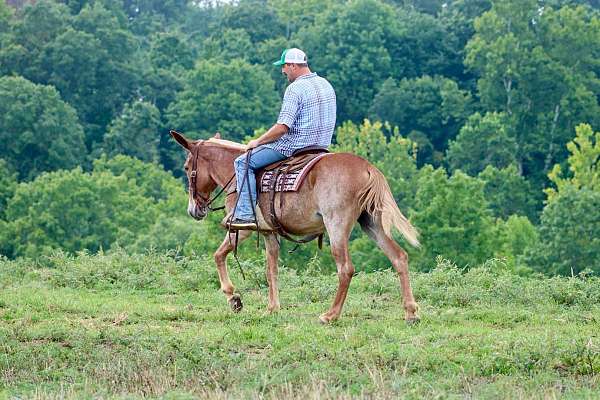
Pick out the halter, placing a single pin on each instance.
(192, 187)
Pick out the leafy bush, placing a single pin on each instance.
(569, 239)
(453, 218)
(35, 121)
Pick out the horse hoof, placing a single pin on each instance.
(412, 321)
(273, 310)
(325, 320)
(236, 303)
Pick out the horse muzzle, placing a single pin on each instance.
(196, 212)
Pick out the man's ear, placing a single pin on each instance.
(180, 139)
(217, 135)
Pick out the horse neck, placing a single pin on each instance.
(221, 163)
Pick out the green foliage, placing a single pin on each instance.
(393, 155)
(369, 41)
(230, 43)
(513, 237)
(434, 106)
(355, 71)
(234, 98)
(5, 16)
(151, 180)
(453, 218)
(136, 132)
(169, 50)
(73, 210)
(482, 141)
(539, 67)
(569, 239)
(37, 25)
(125, 70)
(109, 78)
(257, 17)
(584, 163)
(8, 185)
(38, 131)
(509, 193)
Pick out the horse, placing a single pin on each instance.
(339, 190)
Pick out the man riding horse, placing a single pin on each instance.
(339, 190)
(307, 118)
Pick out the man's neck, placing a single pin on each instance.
(303, 72)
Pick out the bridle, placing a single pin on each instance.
(192, 187)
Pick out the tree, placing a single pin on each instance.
(457, 17)
(394, 155)
(118, 202)
(584, 163)
(36, 25)
(482, 141)
(110, 74)
(569, 223)
(227, 43)
(151, 180)
(73, 211)
(509, 193)
(348, 45)
(234, 98)
(434, 106)
(5, 16)
(569, 240)
(171, 49)
(453, 218)
(539, 66)
(513, 237)
(136, 132)
(8, 185)
(358, 45)
(38, 131)
(257, 17)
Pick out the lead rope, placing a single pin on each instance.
(245, 181)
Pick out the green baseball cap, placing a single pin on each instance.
(291, 56)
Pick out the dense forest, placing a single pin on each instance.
(484, 115)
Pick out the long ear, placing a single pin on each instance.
(180, 139)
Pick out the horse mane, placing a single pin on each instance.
(228, 144)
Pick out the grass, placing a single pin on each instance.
(156, 325)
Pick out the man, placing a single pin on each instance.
(307, 118)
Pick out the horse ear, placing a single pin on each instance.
(217, 135)
(180, 139)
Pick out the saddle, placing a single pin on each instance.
(285, 176)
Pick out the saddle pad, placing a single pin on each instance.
(288, 181)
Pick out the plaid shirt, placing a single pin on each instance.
(308, 110)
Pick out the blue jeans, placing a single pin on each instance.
(261, 157)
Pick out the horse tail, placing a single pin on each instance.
(376, 198)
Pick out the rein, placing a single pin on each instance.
(192, 187)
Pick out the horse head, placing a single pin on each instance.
(197, 169)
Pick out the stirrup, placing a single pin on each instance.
(236, 225)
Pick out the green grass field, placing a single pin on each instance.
(128, 326)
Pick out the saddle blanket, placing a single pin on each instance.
(287, 181)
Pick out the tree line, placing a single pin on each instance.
(483, 115)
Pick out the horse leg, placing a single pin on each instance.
(272, 245)
(234, 300)
(339, 232)
(399, 259)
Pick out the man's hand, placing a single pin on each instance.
(252, 144)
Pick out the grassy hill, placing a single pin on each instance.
(156, 325)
